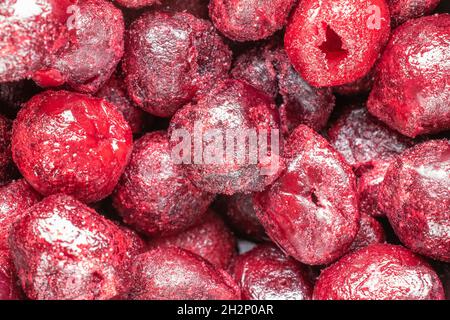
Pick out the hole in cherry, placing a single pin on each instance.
(315, 199)
(332, 46)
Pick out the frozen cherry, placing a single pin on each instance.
(6, 164)
(302, 103)
(241, 215)
(245, 20)
(29, 30)
(332, 42)
(379, 272)
(9, 289)
(115, 92)
(171, 58)
(415, 195)
(154, 195)
(411, 90)
(403, 10)
(265, 273)
(210, 239)
(92, 49)
(71, 143)
(362, 139)
(256, 67)
(370, 231)
(64, 250)
(227, 132)
(137, 3)
(15, 199)
(171, 273)
(311, 211)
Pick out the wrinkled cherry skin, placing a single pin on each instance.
(268, 69)
(294, 207)
(416, 198)
(29, 30)
(363, 140)
(193, 278)
(266, 273)
(172, 58)
(115, 92)
(412, 86)
(93, 47)
(249, 20)
(6, 163)
(370, 231)
(403, 10)
(241, 215)
(71, 143)
(9, 288)
(332, 43)
(15, 198)
(64, 250)
(210, 239)
(135, 4)
(370, 179)
(379, 272)
(154, 195)
(232, 108)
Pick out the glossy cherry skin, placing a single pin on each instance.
(210, 239)
(93, 46)
(154, 195)
(249, 20)
(379, 272)
(170, 59)
(332, 43)
(300, 210)
(71, 143)
(266, 273)
(193, 278)
(64, 250)
(411, 90)
(416, 198)
(363, 140)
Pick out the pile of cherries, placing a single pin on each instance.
(94, 95)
